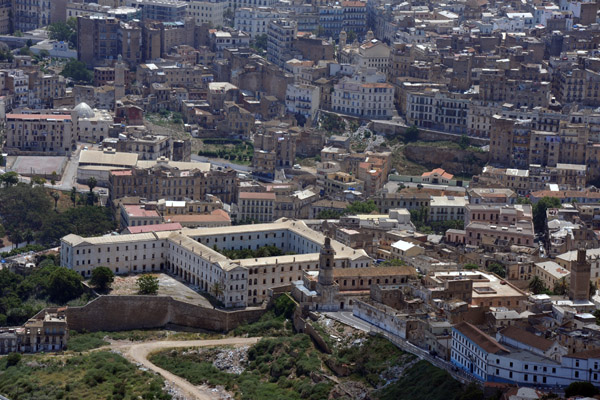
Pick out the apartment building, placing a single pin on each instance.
(370, 54)
(280, 37)
(28, 15)
(235, 4)
(365, 96)
(523, 359)
(98, 39)
(162, 10)
(405, 199)
(280, 144)
(438, 110)
(40, 133)
(303, 99)
(164, 179)
(207, 12)
(336, 183)
(446, 208)
(255, 20)
(256, 206)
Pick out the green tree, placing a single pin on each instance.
(74, 195)
(351, 36)
(91, 183)
(147, 284)
(260, 42)
(471, 266)
(411, 134)
(361, 207)
(15, 237)
(13, 359)
(561, 287)
(539, 211)
(60, 31)
(464, 142)
(217, 289)
(55, 197)
(300, 119)
(53, 178)
(536, 285)
(38, 180)
(102, 278)
(585, 389)
(523, 200)
(10, 178)
(64, 285)
(77, 71)
(497, 269)
(28, 236)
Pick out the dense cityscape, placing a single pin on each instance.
(284, 199)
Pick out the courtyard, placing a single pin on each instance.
(167, 286)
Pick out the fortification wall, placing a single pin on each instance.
(117, 313)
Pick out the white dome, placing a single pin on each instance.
(84, 111)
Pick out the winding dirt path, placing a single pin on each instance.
(139, 353)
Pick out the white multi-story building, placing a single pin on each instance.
(255, 21)
(434, 109)
(190, 255)
(207, 12)
(447, 208)
(17, 82)
(280, 35)
(371, 54)
(235, 4)
(222, 40)
(364, 95)
(523, 359)
(303, 99)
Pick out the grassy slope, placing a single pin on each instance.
(98, 375)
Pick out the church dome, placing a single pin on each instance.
(84, 111)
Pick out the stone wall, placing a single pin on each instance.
(389, 128)
(116, 313)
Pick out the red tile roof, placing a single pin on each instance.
(484, 341)
(139, 211)
(440, 172)
(527, 338)
(119, 172)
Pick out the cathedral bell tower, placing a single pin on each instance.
(326, 264)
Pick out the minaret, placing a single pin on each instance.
(579, 288)
(343, 39)
(120, 70)
(326, 264)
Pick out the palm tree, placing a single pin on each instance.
(536, 285)
(217, 289)
(16, 237)
(92, 182)
(28, 236)
(561, 287)
(56, 197)
(74, 195)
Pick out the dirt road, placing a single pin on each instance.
(139, 354)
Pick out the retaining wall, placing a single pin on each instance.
(118, 313)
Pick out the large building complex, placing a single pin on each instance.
(190, 255)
